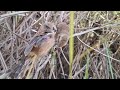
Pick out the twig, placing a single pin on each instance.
(93, 29)
(3, 76)
(33, 23)
(64, 56)
(15, 34)
(39, 68)
(78, 72)
(61, 64)
(25, 20)
(12, 14)
(98, 51)
(3, 62)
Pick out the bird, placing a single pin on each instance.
(45, 33)
(39, 45)
(62, 34)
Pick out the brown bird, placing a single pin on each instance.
(40, 45)
(43, 36)
(62, 34)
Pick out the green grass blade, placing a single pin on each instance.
(71, 43)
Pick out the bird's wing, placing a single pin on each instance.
(33, 41)
(40, 40)
(36, 42)
(28, 49)
(30, 45)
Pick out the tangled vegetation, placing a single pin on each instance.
(96, 44)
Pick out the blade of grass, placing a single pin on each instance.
(71, 43)
(109, 61)
(87, 67)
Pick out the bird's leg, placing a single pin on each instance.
(25, 67)
(32, 65)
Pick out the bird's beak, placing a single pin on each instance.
(54, 29)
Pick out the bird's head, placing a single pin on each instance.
(62, 27)
(50, 27)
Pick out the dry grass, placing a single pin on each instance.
(96, 44)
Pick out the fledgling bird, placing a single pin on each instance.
(62, 34)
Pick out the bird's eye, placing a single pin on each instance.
(47, 26)
(55, 30)
(118, 42)
(46, 32)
